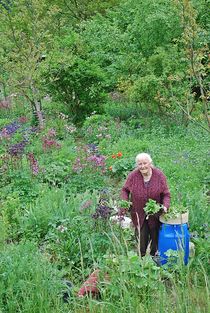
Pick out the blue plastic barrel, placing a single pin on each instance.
(173, 237)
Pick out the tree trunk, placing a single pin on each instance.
(204, 101)
(37, 111)
(37, 108)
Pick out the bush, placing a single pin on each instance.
(97, 128)
(123, 111)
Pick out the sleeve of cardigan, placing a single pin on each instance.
(165, 194)
(125, 191)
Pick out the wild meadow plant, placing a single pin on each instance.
(29, 283)
(49, 140)
(130, 284)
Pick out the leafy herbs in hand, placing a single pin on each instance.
(152, 207)
(124, 204)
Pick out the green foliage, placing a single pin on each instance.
(152, 207)
(140, 277)
(99, 128)
(26, 32)
(67, 74)
(122, 110)
(148, 60)
(124, 204)
(29, 283)
(122, 167)
(175, 211)
(50, 207)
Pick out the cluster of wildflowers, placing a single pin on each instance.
(28, 131)
(4, 134)
(62, 228)
(14, 151)
(115, 156)
(70, 128)
(91, 147)
(63, 116)
(34, 166)
(17, 149)
(102, 132)
(12, 128)
(49, 142)
(78, 165)
(103, 210)
(97, 160)
(89, 158)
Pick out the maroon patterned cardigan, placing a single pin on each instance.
(139, 193)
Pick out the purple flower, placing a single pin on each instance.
(51, 133)
(17, 149)
(98, 160)
(4, 134)
(12, 128)
(33, 164)
(92, 147)
(103, 211)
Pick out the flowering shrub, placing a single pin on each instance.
(103, 210)
(49, 141)
(88, 159)
(100, 127)
(17, 149)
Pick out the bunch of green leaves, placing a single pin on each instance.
(135, 276)
(124, 204)
(152, 207)
(122, 167)
(175, 211)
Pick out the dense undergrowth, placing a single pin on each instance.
(52, 226)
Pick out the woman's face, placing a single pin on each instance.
(144, 166)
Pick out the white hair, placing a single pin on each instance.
(143, 155)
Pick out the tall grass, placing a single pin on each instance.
(29, 283)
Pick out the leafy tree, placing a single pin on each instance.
(79, 10)
(196, 46)
(27, 29)
(73, 79)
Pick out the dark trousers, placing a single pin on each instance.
(145, 236)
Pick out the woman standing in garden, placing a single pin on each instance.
(144, 183)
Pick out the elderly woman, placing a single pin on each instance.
(144, 183)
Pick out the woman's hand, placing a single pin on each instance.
(164, 209)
